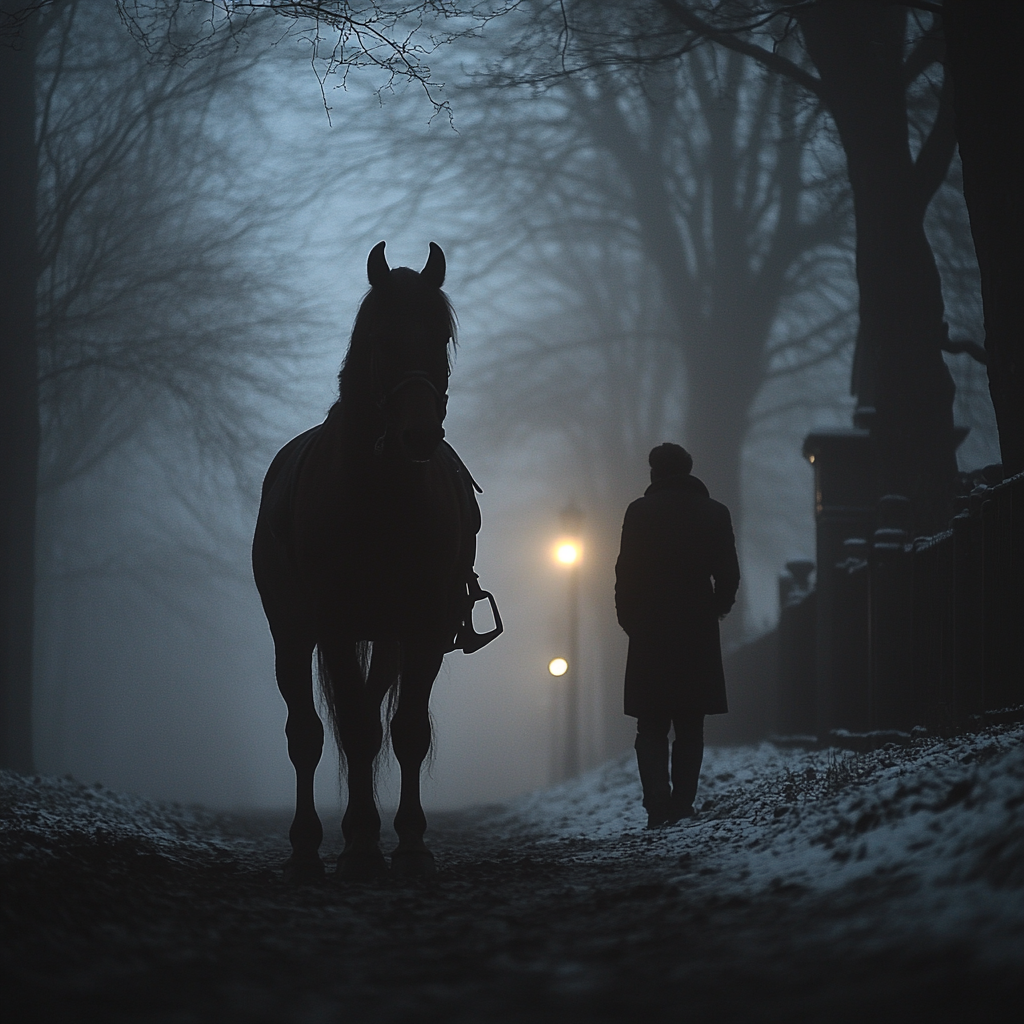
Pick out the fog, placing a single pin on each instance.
(154, 664)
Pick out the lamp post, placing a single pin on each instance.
(569, 553)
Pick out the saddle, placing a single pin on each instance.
(280, 495)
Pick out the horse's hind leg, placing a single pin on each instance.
(410, 737)
(305, 734)
(357, 718)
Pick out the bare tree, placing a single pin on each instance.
(394, 40)
(983, 59)
(19, 403)
(158, 312)
(865, 58)
(147, 294)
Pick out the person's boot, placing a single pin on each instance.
(678, 811)
(652, 760)
(687, 757)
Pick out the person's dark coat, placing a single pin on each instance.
(677, 572)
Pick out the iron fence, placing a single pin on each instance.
(923, 633)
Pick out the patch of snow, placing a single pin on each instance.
(937, 823)
(930, 831)
(57, 813)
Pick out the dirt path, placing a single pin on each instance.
(516, 926)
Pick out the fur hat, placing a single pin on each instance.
(667, 460)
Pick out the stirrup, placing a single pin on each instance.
(468, 640)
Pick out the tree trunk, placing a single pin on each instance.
(716, 415)
(983, 47)
(19, 406)
(858, 51)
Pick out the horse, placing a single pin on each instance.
(363, 552)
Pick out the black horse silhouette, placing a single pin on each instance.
(364, 550)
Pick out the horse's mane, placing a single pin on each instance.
(408, 296)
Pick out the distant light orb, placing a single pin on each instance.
(567, 553)
(558, 666)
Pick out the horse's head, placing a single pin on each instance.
(409, 327)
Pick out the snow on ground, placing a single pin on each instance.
(941, 818)
(813, 885)
(42, 814)
(936, 824)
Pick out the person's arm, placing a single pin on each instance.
(726, 569)
(627, 571)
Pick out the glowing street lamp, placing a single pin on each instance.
(568, 552)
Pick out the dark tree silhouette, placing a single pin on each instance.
(19, 417)
(983, 57)
(864, 67)
(899, 369)
(125, 274)
(725, 213)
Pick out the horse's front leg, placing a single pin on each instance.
(305, 734)
(410, 738)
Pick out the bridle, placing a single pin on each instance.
(384, 398)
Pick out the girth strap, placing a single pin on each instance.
(467, 639)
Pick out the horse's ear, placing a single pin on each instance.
(434, 269)
(377, 269)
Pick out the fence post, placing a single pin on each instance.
(797, 622)
(891, 618)
(931, 643)
(850, 706)
(992, 608)
(844, 505)
(967, 653)
(1014, 589)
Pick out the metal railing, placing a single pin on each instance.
(924, 633)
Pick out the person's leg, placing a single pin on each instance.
(652, 759)
(687, 756)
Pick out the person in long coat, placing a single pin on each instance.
(676, 576)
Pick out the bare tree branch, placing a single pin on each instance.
(731, 38)
(396, 39)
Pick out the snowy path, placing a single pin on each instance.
(945, 817)
(815, 885)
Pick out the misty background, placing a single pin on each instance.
(637, 255)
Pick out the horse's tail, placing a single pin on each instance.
(356, 672)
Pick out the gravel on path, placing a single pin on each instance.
(813, 885)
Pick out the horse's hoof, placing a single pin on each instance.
(361, 865)
(413, 863)
(303, 870)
